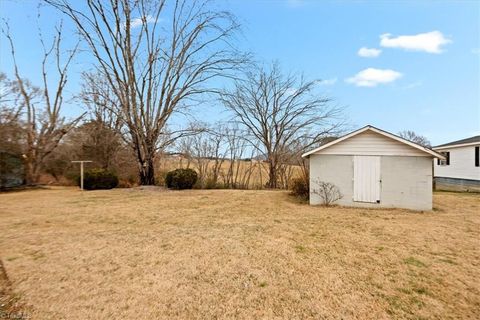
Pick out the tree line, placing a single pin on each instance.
(154, 61)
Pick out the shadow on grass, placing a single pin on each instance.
(24, 188)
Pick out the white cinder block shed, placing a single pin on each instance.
(374, 168)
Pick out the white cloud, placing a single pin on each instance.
(328, 82)
(137, 22)
(372, 77)
(369, 52)
(430, 42)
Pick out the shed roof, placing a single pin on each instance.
(381, 132)
(462, 142)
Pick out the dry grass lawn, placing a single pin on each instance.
(210, 254)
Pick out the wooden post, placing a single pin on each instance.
(81, 175)
(81, 171)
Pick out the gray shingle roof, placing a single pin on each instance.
(463, 141)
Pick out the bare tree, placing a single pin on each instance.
(158, 58)
(416, 138)
(44, 126)
(96, 141)
(100, 101)
(197, 148)
(239, 171)
(219, 152)
(99, 139)
(300, 146)
(276, 110)
(11, 126)
(207, 151)
(11, 135)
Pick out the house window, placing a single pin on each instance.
(445, 162)
(477, 157)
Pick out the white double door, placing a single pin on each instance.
(366, 179)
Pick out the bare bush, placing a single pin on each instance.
(328, 192)
(299, 187)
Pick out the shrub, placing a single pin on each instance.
(328, 192)
(299, 187)
(99, 179)
(181, 179)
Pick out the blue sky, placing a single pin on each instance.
(426, 76)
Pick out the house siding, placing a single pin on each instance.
(371, 143)
(462, 164)
(406, 180)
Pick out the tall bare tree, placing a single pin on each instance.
(11, 126)
(414, 137)
(44, 125)
(276, 110)
(158, 57)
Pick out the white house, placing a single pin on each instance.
(461, 169)
(374, 168)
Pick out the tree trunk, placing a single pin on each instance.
(272, 175)
(147, 173)
(29, 174)
(32, 172)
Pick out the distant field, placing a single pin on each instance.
(244, 174)
(146, 253)
(247, 174)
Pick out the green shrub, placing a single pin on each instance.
(99, 179)
(181, 179)
(299, 187)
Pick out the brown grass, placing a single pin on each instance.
(247, 174)
(148, 254)
(10, 308)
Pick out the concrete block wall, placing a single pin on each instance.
(406, 181)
